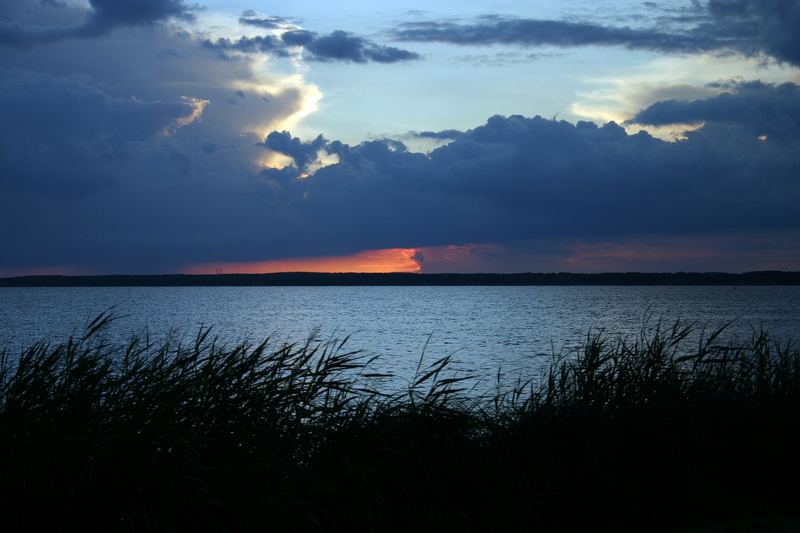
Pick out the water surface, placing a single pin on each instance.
(516, 329)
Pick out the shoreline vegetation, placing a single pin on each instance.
(650, 433)
(765, 277)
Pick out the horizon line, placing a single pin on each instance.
(759, 277)
(390, 273)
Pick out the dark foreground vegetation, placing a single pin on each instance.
(655, 433)
(765, 277)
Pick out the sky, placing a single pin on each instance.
(162, 136)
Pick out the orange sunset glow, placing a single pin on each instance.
(371, 261)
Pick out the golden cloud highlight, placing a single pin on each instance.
(198, 106)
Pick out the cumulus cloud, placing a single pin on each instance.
(749, 27)
(302, 153)
(103, 17)
(762, 108)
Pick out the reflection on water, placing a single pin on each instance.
(516, 329)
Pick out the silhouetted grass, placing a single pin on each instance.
(656, 432)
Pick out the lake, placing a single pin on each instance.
(515, 329)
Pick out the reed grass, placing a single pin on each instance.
(657, 432)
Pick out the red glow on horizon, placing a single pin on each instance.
(664, 253)
(370, 261)
(615, 257)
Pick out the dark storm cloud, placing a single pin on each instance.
(750, 27)
(107, 15)
(49, 109)
(512, 179)
(343, 46)
(762, 108)
(530, 32)
(335, 46)
(112, 13)
(104, 171)
(768, 26)
(251, 18)
(61, 134)
(439, 135)
(13, 33)
(528, 178)
(103, 17)
(113, 167)
(268, 44)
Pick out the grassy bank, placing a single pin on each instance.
(655, 433)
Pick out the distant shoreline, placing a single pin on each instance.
(317, 279)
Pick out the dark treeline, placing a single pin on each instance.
(408, 279)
